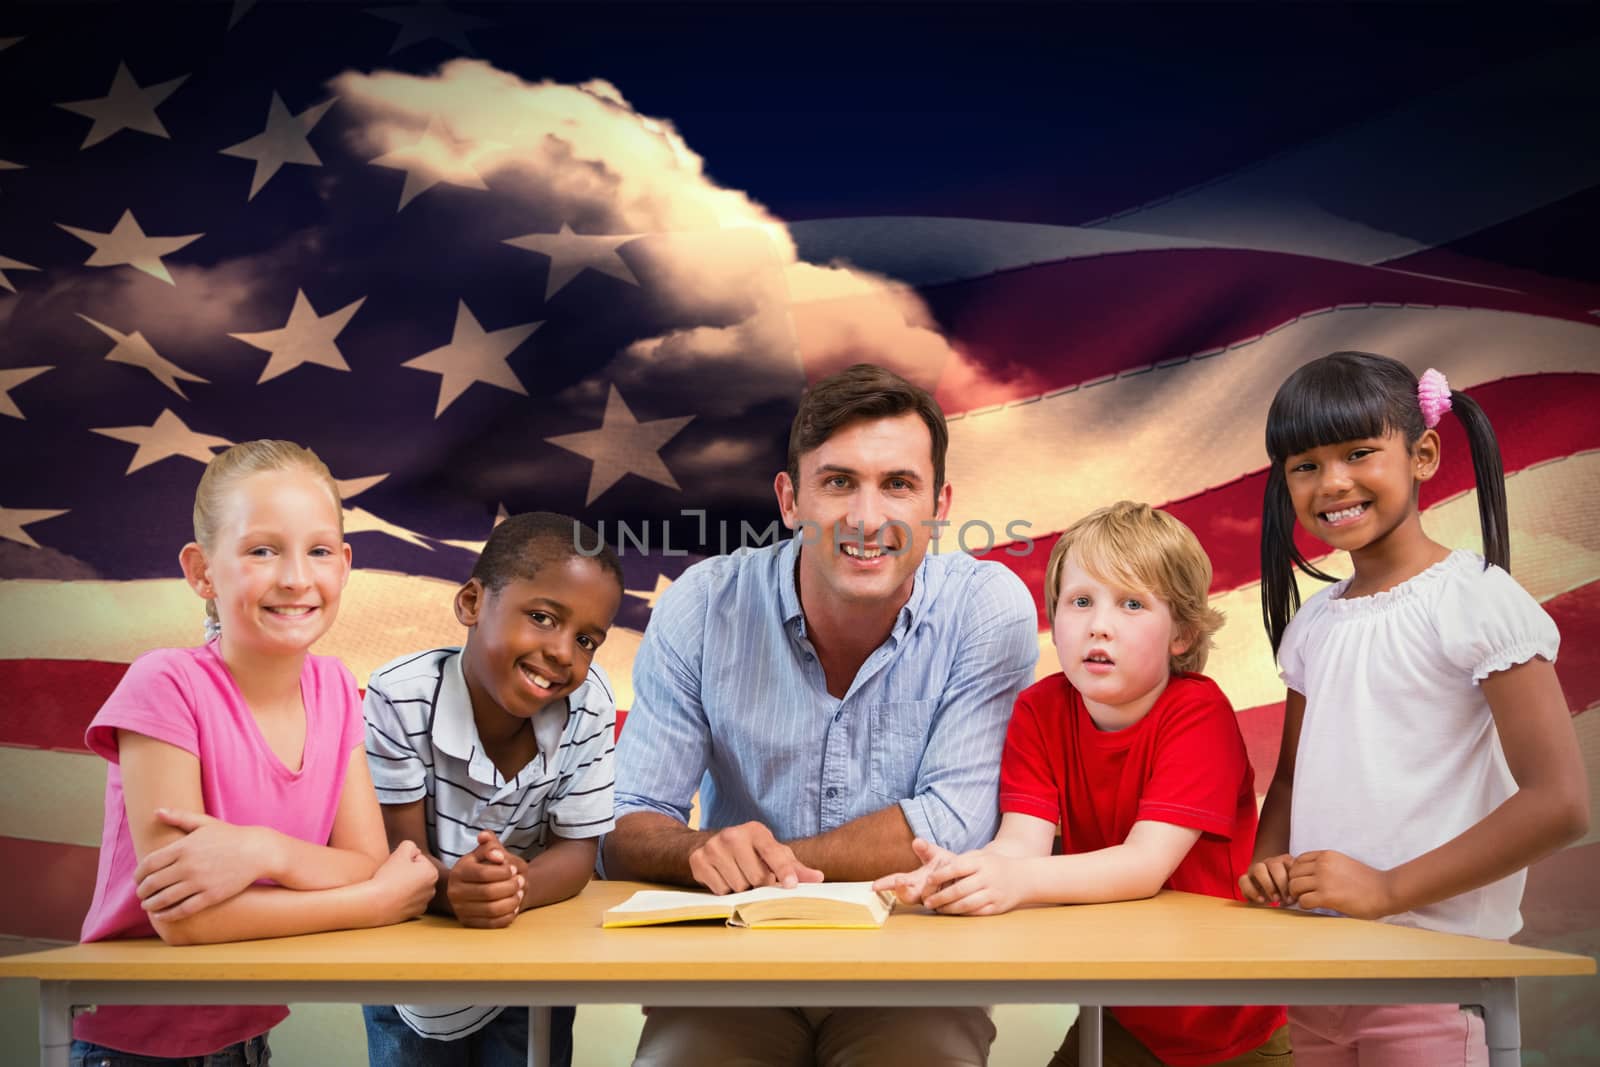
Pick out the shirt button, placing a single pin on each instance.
(832, 792)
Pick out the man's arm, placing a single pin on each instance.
(862, 849)
(956, 803)
(648, 846)
(663, 750)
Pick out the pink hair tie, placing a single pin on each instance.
(1433, 395)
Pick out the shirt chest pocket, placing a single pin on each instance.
(897, 733)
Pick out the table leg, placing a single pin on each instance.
(1502, 1022)
(538, 1036)
(55, 1024)
(1089, 1051)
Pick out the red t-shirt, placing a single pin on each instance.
(1184, 763)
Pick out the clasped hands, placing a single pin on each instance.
(486, 886)
(1321, 879)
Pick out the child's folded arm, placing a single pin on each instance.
(1133, 870)
(407, 822)
(397, 891)
(356, 846)
(559, 872)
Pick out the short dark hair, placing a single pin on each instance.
(523, 543)
(864, 391)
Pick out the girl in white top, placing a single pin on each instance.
(1428, 755)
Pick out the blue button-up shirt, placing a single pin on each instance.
(727, 686)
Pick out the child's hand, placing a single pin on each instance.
(1334, 881)
(1267, 881)
(485, 889)
(406, 881)
(978, 883)
(912, 886)
(212, 862)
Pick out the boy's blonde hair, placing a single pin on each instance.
(1139, 548)
(231, 466)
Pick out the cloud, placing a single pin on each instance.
(722, 266)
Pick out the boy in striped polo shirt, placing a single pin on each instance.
(496, 759)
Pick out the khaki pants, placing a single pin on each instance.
(1121, 1049)
(826, 1037)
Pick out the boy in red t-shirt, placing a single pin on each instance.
(1141, 762)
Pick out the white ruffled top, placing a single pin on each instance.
(1398, 749)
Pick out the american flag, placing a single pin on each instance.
(489, 258)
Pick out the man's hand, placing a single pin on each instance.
(484, 887)
(978, 883)
(212, 862)
(1267, 881)
(913, 887)
(1334, 881)
(745, 856)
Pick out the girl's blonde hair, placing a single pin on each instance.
(1136, 547)
(230, 467)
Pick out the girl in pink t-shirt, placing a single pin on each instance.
(238, 802)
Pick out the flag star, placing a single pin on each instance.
(571, 253)
(352, 487)
(128, 106)
(435, 157)
(422, 22)
(359, 520)
(651, 596)
(12, 520)
(9, 380)
(305, 338)
(128, 245)
(168, 436)
(623, 445)
(7, 263)
(133, 349)
(240, 9)
(283, 141)
(473, 355)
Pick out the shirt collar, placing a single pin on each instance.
(794, 616)
(455, 731)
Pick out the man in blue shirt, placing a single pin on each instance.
(841, 693)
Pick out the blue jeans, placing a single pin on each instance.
(251, 1053)
(501, 1043)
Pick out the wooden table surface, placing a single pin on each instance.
(1175, 936)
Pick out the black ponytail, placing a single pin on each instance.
(1490, 476)
(1280, 596)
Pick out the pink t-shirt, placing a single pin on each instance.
(187, 698)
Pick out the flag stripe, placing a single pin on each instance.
(1537, 418)
(1061, 324)
(56, 796)
(1177, 430)
(49, 890)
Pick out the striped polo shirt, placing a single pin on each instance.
(422, 744)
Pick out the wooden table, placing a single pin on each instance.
(1174, 949)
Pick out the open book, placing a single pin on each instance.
(832, 905)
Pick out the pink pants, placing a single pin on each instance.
(1387, 1035)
